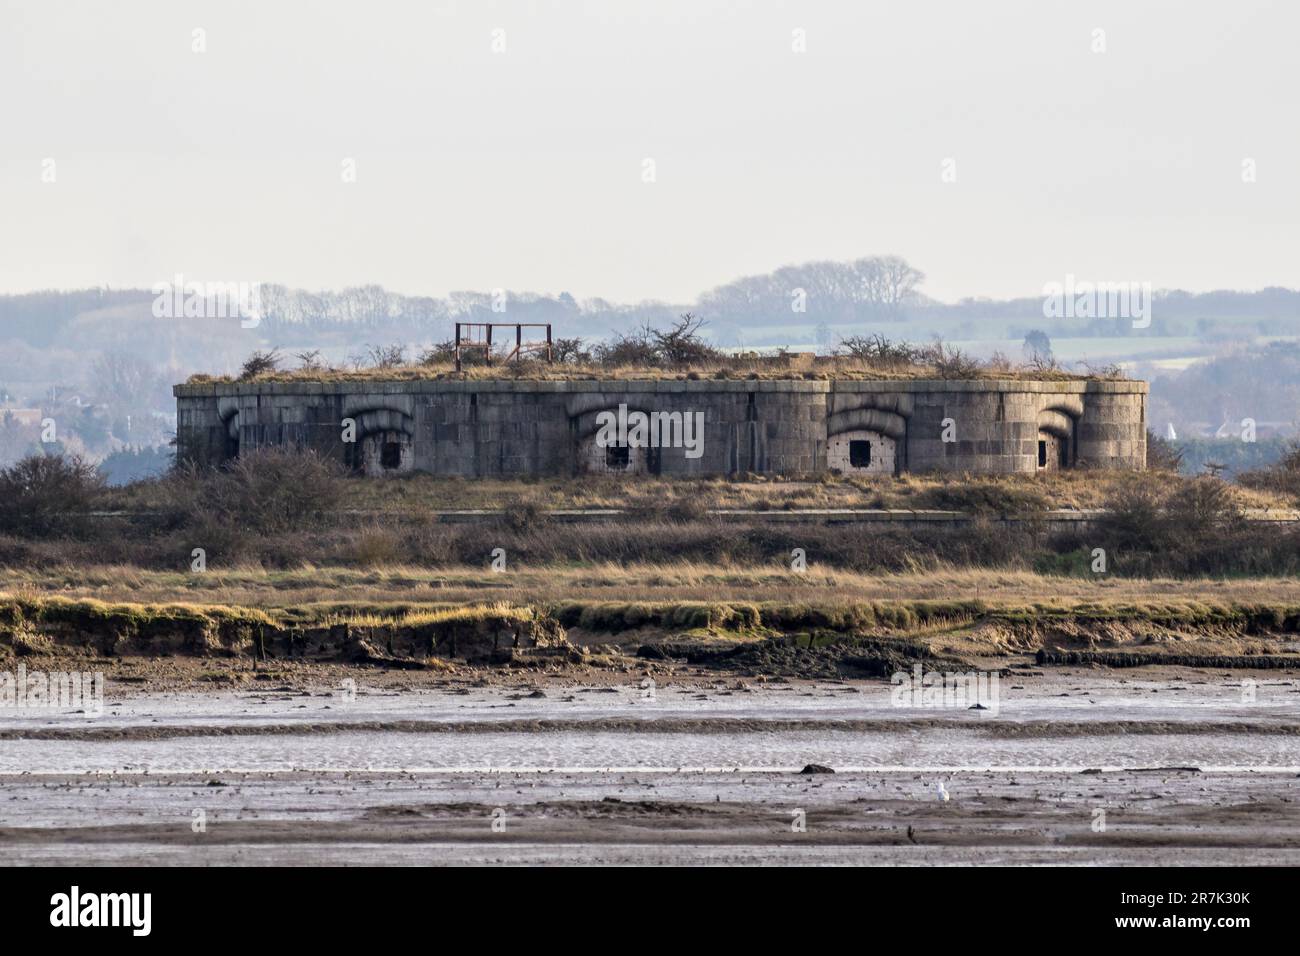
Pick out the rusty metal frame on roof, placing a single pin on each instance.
(477, 337)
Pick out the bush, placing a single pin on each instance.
(1187, 527)
(1201, 508)
(951, 362)
(678, 346)
(526, 516)
(570, 351)
(43, 494)
(1133, 518)
(1163, 455)
(984, 497)
(266, 491)
(386, 356)
(631, 349)
(260, 363)
(682, 344)
(1282, 476)
(879, 351)
(440, 353)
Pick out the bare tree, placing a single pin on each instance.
(569, 351)
(260, 363)
(888, 283)
(682, 344)
(386, 356)
(125, 382)
(876, 349)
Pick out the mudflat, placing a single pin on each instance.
(1154, 765)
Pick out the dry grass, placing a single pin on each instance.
(24, 612)
(804, 367)
(1081, 490)
(255, 587)
(424, 616)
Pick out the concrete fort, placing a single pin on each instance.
(506, 428)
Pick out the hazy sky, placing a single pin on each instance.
(524, 169)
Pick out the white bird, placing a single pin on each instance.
(943, 793)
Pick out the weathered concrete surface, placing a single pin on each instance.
(513, 428)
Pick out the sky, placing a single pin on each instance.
(647, 150)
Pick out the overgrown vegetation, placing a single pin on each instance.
(267, 491)
(408, 634)
(678, 350)
(876, 349)
(1281, 478)
(1163, 455)
(259, 365)
(284, 509)
(42, 494)
(1186, 528)
(1189, 527)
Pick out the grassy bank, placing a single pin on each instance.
(651, 496)
(255, 586)
(873, 637)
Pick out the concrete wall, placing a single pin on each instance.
(881, 453)
(503, 428)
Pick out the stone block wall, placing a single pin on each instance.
(512, 428)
